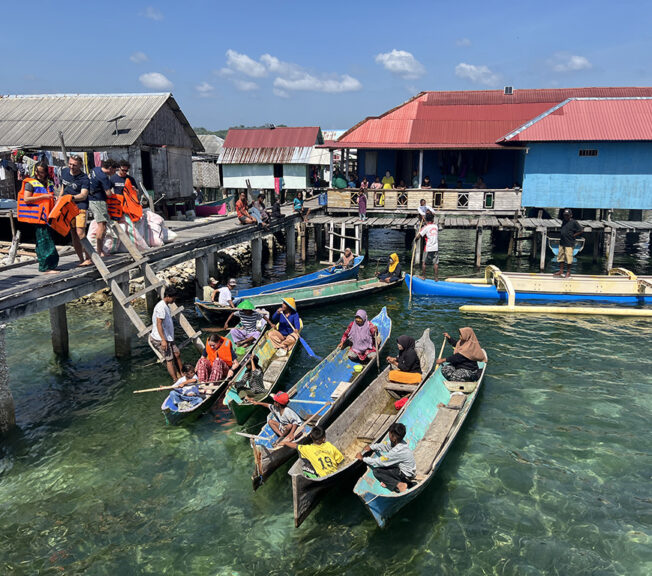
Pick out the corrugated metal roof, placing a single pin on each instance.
(212, 144)
(35, 121)
(303, 137)
(281, 155)
(589, 120)
(463, 119)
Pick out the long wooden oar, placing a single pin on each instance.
(310, 419)
(443, 345)
(160, 388)
(414, 247)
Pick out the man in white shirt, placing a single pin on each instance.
(431, 232)
(223, 294)
(162, 335)
(424, 209)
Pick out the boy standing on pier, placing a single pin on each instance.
(162, 335)
(570, 229)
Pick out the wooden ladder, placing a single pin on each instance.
(152, 282)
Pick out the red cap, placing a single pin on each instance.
(282, 398)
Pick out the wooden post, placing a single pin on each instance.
(544, 247)
(420, 167)
(330, 174)
(612, 248)
(342, 239)
(419, 249)
(478, 246)
(122, 326)
(212, 264)
(331, 241)
(270, 249)
(303, 234)
(201, 275)
(59, 330)
(256, 261)
(290, 247)
(358, 239)
(346, 164)
(510, 246)
(152, 298)
(533, 250)
(365, 241)
(7, 408)
(596, 245)
(319, 240)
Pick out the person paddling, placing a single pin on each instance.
(281, 418)
(462, 365)
(286, 325)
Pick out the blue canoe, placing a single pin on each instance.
(317, 397)
(433, 418)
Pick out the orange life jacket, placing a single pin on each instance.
(130, 203)
(114, 206)
(38, 211)
(223, 352)
(62, 215)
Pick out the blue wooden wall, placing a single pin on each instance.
(620, 176)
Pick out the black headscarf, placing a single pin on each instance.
(408, 359)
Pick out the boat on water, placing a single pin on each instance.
(210, 309)
(316, 398)
(273, 366)
(433, 419)
(324, 294)
(365, 421)
(216, 208)
(185, 414)
(620, 286)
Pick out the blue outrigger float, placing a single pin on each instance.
(433, 418)
(316, 398)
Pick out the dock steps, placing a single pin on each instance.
(128, 268)
(144, 291)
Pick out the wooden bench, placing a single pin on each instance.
(466, 387)
(396, 387)
(374, 425)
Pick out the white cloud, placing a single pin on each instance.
(280, 93)
(463, 42)
(138, 57)
(205, 90)
(276, 66)
(242, 63)
(245, 85)
(308, 82)
(401, 63)
(564, 62)
(155, 81)
(477, 74)
(153, 14)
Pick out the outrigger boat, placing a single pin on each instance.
(365, 421)
(620, 286)
(273, 367)
(316, 398)
(175, 415)
(208, 308)
(433, 419)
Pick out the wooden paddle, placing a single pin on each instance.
(414, 248)
(310, 419)
(378, 342)
(443, 344)
(160, 388)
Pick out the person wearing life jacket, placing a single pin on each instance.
(218, 360)
(125, 190)
(77, 184)
(35, 201)
(101, 189)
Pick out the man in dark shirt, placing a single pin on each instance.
(75, 183)
(570, 229)
(101, 187)
(118, 180)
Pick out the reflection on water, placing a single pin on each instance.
(550, 476)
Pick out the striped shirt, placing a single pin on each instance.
(249, 321)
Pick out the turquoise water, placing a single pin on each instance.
(551, 474)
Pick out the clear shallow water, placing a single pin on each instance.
(551, 474)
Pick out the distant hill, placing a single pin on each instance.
(199, 130)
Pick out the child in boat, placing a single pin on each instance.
(250, 319)
(406, 367)
(320, 458)
(281, 419)
(252, 382)
(392, 462)
(462, 365)
(186, 393)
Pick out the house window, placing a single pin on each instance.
(463, 200)
(370, 162)
(588, 152)
(489, 200)
(438, 199)
(278, 170)
(402, 199)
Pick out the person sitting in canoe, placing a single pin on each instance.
(218, 360)
(286, 325)
(406, 366)
(223, 295)
(392, 462)
(393, 271)
(252, 382)
(361, 334)
(319, 458)
(462, 365)
(249, 318)
(346, 260)
(186, 393)
(281, 419)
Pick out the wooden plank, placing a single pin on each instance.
(432, 442)
(396, 387)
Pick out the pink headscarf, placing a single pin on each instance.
(360, 336)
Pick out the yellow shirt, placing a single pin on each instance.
(388, 182)
(323, 457)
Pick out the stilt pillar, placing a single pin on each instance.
(290, 247)
(611, 249)
(7, 408)
(303, 236)
(319, 240)
(418, 249)
(270, 249)
(510, 247)
(212, 264)
(151, 299)
(478, 246)
(544, 247)
(533, 250)
(342, 238)
(59, 330)
(201, 275)
(358, 238)
(256, 261)
(596, 245)
(331, 241)
(122, 326)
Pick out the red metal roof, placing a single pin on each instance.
(273, 137)
(578, 120)
(464, 119)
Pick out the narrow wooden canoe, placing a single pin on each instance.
(365, 421)
(311, 296)
(431, 430)
(273, 367)
(318, 396)
(174, 416)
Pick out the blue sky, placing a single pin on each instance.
(329, 64)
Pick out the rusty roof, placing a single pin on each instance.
(281, 137)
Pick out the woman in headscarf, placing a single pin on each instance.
(406, 366)
(286, 325)
(462, 365)
(393, 271)
(361, 334)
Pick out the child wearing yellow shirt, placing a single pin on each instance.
(320, 458)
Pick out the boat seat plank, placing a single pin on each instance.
(373, 426)
(396, 387)
(433, 440)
